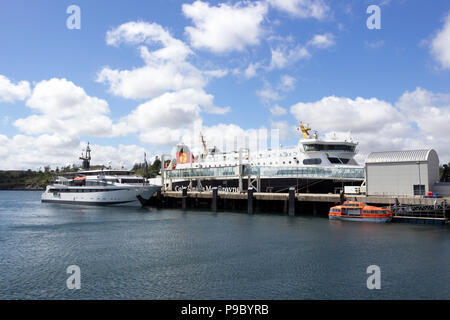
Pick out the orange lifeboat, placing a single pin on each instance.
(357, 211)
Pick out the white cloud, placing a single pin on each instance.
(317, 9)
(287, 83)
(64, 108)
(151, 80)
(151, 33)
(428, 110)
(374, 44)
(23, 152)
(226, 27)
(440, 45)
(282, 57)
(322, 41)
(278, 111)
(159, 120)
(268, 95)
(165, 69)
(10, 92)
(251, 70)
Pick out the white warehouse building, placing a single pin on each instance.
(401, 173)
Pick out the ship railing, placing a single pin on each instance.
(335, 173)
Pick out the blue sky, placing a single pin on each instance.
(388, 87)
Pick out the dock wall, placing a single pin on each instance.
(289, 203)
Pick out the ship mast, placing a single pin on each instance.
(86, 158)
(205, 149)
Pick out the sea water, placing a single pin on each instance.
(133, 253)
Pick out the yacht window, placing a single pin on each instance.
(312, 161)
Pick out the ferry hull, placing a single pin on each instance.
(274, 184)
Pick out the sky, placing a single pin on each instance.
(141, 76)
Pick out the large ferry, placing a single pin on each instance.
(314, 165)
(108, 187)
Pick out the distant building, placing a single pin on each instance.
(402, 173)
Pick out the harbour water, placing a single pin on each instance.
(128, 253)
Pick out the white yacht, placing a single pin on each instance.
(106, 187)
(314, 165)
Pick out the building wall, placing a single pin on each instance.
(396, 178)
(433, 168)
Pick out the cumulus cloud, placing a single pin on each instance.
(160, 120)
(10, 92)
(165, 69)
(23, 152)
(251, 70)
(440, 45)
(268, 95)
(322, 41)
(278, 111)
(282, 56)
(287, 83)
(316, 9)
(374, 44)
(226, 27)
(64, 108)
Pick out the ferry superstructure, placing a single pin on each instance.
(315, 164)
(108, 187)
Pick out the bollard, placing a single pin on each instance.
(250, 200)
(292, 201)
(214, 200)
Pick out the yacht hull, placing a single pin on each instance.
(113, 196)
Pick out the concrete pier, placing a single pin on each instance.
(290, 203)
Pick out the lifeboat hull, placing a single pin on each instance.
(362, 219)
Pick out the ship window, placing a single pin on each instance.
(312, 161)
(328, 147)
(338, 160)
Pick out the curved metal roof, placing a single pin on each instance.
(399, 156)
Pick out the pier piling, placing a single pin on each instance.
(184, 198)
(250, 200)
(292, 201)
(214, 200)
